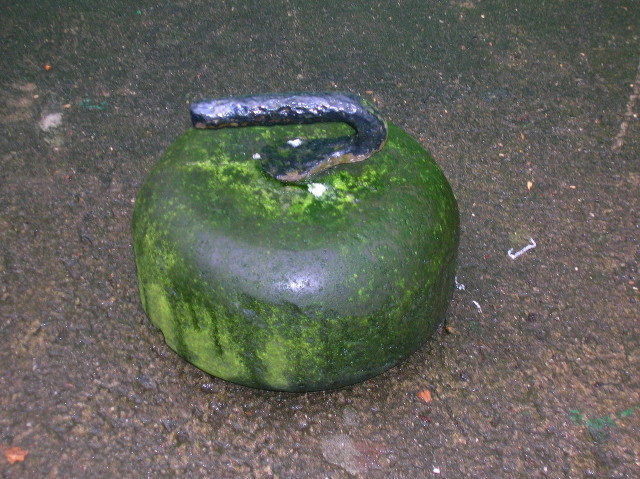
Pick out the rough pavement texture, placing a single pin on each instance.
(529, 107)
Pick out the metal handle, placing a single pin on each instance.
(301, 161)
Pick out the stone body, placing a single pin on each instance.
(294, 287)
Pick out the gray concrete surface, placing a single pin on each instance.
(528, 106)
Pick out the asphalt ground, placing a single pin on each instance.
(530, 108)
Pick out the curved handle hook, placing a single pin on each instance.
(301, 161)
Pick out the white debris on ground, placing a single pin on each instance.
(531, 245)
(477, 305)
(295, 142)
(256, 156)
(52, 120)
(316, 189)
(436, 470)
(459, 286)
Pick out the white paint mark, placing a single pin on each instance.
(532, 244)
(316, 189)
(52, 120)
(295, 143)
(459, 286)
(256, 156)
(477, 305)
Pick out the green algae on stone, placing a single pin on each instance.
(271, 286)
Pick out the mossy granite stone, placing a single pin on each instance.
(294, 287)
